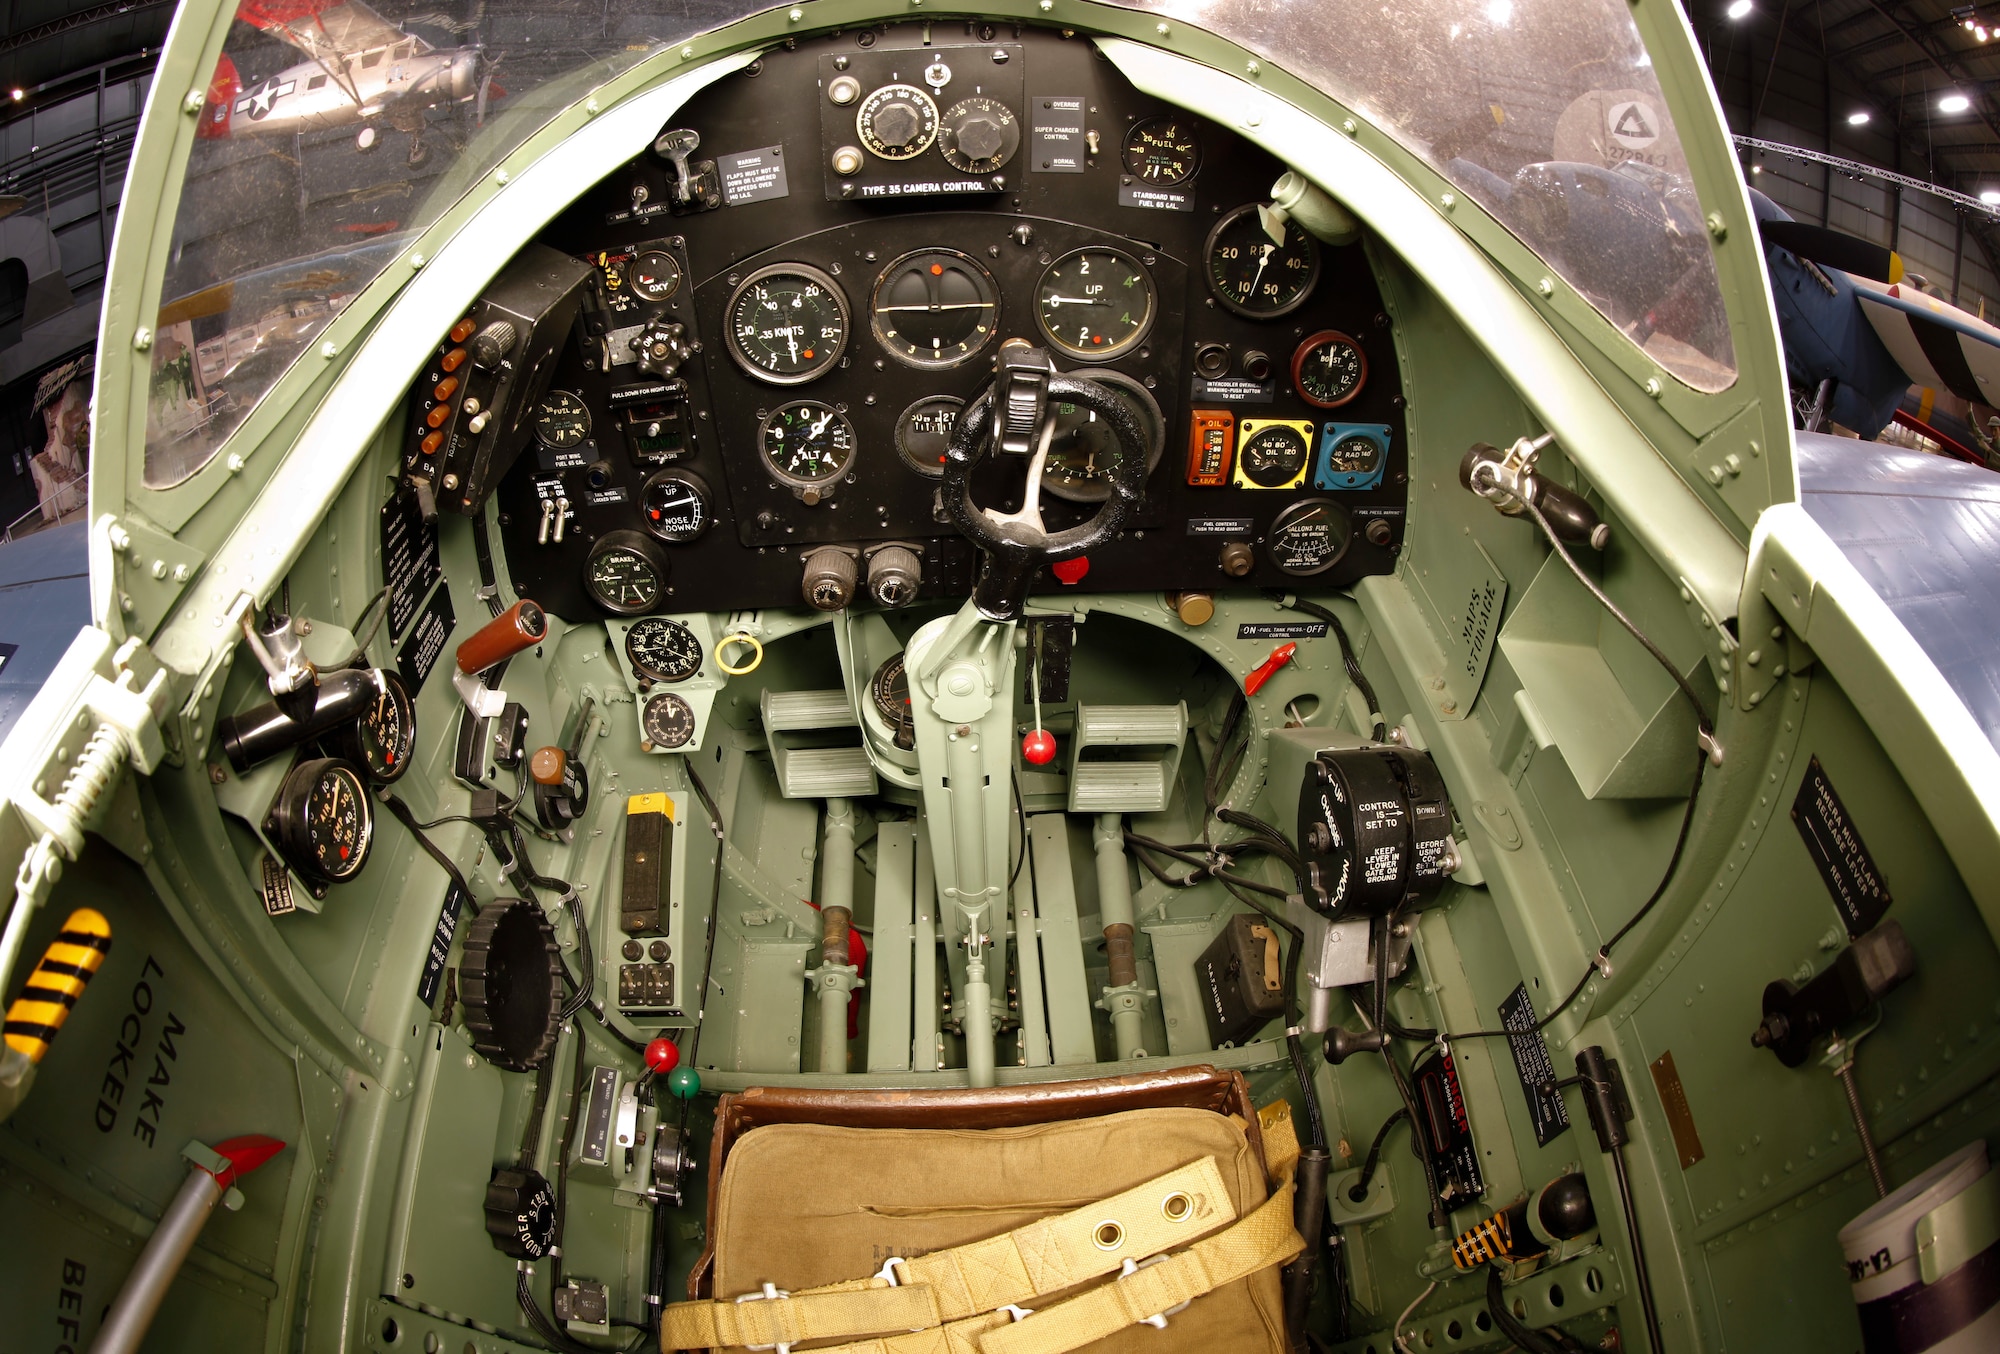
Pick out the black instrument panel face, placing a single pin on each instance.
(872, 214)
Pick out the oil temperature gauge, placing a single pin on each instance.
(663, 650)
(1309, 537)
(323, 822)
(667, 722)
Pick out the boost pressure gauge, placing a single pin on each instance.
(1328, 369)
(322, 821)
(787, 323)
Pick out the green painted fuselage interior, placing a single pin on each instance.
(1567, 753)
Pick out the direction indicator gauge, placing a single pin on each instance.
(1162, 151)
(807, 445)
(935, 308)
(654, 275)
(1256, 275)
(1309, 537)
(561, 420)
(1095, 304)
(667, 721)
(1329, 369)
(625, 573)
(923, 431)
(787, 323)
(322, 821)
(662, 650)
(1272, 455)
(674, 506)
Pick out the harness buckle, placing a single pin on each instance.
(1016, 1310)
(887, 1274)
(771, 1293)
(1158, 1321)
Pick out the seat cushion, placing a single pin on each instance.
(803, 1205)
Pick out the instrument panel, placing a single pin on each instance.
(791, 300)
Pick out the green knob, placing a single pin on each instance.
(684, 1083)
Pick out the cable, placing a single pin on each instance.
(359, 658)
(1347, 655)
(708, 959)
(436, 853)
(1358, 1191)
(1639, 1271)
(1396, 1330)
(1522, 1336)
(1021, 812)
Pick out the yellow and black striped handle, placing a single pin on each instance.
(77, 952)
(1488, 1239)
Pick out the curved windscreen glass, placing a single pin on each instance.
(1545, 111)
(333, 130)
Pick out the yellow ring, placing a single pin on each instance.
(756, 653)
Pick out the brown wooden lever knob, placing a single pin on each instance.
(513, 630)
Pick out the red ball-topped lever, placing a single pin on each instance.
(663, 1056)
(1038, 745)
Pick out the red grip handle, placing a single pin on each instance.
(1263, 671)
(518, 628)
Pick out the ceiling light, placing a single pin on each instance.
(1756, 169)
(1954, 103)
(1738, 9)
(1991, 197)
(1858, 118)
(19, 95)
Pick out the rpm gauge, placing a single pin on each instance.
(561, 420)
(663, 650)
(1328, 369)
(625, 573)
(935, 308)
(787, 323)
(1095, 304)
(1162, 151)
(654, 275)
(381, 738)
(322, 821)
(667, 721)
(807, 445)
(1255, 273)
(1309, 537)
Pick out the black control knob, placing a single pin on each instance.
(661, 347)
(520, 1212)
(893, 575)
(492, 344)
(829, 579)
(897, 124)
(980, 138)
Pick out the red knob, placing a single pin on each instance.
(1071, 571)
(1038, 747)
(663, 1055)
(1268, 668)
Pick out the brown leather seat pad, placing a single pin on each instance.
(803, 1205)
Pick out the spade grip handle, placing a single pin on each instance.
(521, 626)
